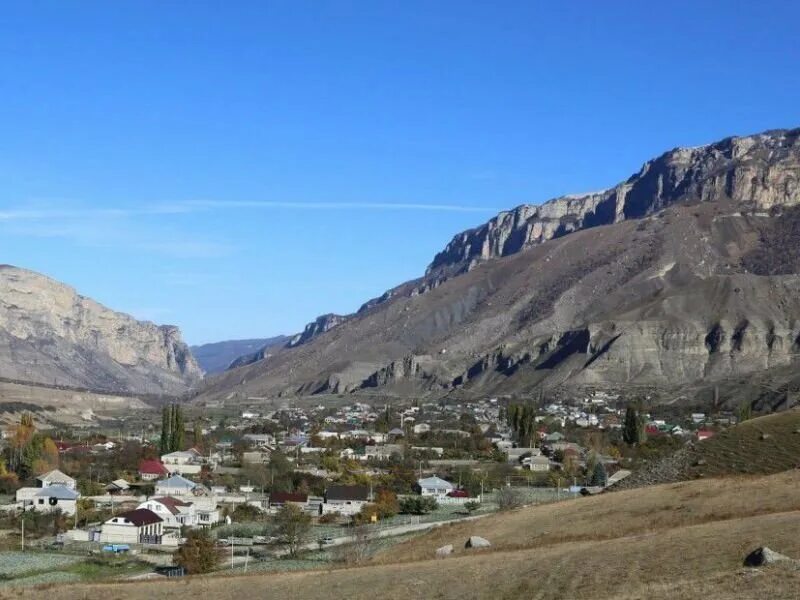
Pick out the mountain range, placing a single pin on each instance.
(685, 274)
(217, 357)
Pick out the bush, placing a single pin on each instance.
(418, 505)
(508, 498)
(472, 506)
(331, 517)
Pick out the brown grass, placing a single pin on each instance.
(674, 541)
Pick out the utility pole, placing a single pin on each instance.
(22, 541)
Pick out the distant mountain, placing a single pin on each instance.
(51, 335)
(218, 356)
(685, 273)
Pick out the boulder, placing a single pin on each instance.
(444, 551)
(476, 541)
(764, 556)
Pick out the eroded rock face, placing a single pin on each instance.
(317, 327)
(756, 172)
(49, 334)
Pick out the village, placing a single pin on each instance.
(307, 484)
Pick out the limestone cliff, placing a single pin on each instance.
(755, 172)
(50, 334)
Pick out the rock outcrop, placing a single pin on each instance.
(316, 328)
(51, 335)
(755, 172)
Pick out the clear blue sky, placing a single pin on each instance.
(238, 168)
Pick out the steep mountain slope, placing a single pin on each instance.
(216, 357)
(667, 279)
(51, 335)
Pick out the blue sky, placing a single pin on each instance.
(238, 168)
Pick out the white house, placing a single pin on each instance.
(537, 464)
(53, 491)
(434, 486)
(174, 513)
(183, 462)
(55, 477)
(48, 499)
(345, 499)
(177, 486)
(140, 526)
(422, 428)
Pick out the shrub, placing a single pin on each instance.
(508, 498)
(418, 505)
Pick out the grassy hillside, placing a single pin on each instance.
(683, 540)
(764, 445)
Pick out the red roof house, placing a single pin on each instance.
(152, 469)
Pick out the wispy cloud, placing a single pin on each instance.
(266, 204)
(194, 206)
(133, 228)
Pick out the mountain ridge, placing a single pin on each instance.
(644, 283)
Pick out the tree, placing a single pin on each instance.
(633, 427)
(178, 429)
(292, 527)
(166, 430)
(197, 436)
(198, 554)
(745, 412)
(599, 475)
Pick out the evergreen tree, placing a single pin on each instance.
(166, 443)
(599, 475)
(178, 429)
(632, 429)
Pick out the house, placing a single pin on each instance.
(150, 470)
(256, 457)
(396, 432)
(174, 512)
(345, 499)
(118, 486)
(515, 455)
(55, 477)
(139, 526)
(280, 499)
(537, 464)
(183, 462)
(177, 486)
(384, 452)
(434, 486)
(554, 437)
(260, 439)
(48, 499)
(422, 428)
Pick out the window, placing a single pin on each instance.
(41, 500)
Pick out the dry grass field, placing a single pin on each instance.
(682, 540)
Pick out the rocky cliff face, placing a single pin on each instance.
(317, 327)
(49, 334)
(682, 275)
(755, 172)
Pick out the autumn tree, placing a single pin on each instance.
(292, 526)
(198, 554)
